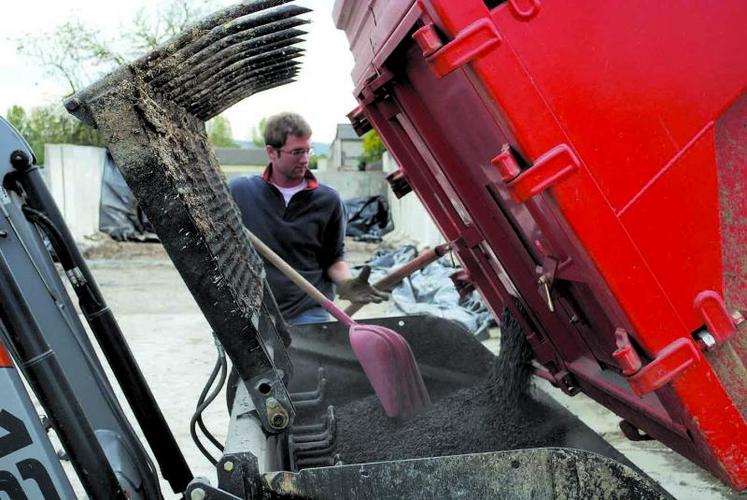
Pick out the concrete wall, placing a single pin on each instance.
(353, 184)
(73, 175)
(411, 220)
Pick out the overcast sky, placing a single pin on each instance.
(323, 92)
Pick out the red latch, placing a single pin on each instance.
(625, 354)
(470, 43)
(670, 363)
(506, 164)
(551, 168)
(712, 308)
(525, 9)
(428, 40)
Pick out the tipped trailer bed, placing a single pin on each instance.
(588, 159)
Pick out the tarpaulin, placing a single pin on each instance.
(368, 218)
(119, 214)
(431, 291)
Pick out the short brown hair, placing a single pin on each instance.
(283, 124)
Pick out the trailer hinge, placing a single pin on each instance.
(469, 44)
(720, 323)
(550, 169)
(669, 363)
(359, 121)
(398, 182)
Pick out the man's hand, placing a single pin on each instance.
(358, 290)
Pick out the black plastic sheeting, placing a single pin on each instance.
(119, 214)
(431, 291)
(368, 218)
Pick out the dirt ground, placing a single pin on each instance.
(172, 342)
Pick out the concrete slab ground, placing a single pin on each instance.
(172, 342)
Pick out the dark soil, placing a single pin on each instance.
(497, 414)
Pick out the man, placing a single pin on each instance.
(302, 221)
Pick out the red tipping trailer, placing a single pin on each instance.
(590, 160)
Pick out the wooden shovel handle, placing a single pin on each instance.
(287, 270)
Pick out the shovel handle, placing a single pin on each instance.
(286, 269)
(394, 278)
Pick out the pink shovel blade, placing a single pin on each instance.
(388, 363)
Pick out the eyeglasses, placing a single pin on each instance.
(297, 152)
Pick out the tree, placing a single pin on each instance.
(51, 124)
(258, 133)
(373, 148)
(78, 54)
(219, 133)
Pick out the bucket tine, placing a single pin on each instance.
(246, 85)
(230, 50)
(154, 59)
(251, 67)
(151, 115)
(170, 65)
(196, 75)
(215, 107)
(210, 112)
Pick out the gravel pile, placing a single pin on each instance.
(497, 414)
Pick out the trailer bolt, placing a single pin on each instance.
(738, 317)
(197, 494)
(228, 466)
(708, 340)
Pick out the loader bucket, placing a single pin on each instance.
(151, 116)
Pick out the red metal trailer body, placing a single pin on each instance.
(595, 153)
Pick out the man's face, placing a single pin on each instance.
(289, 163)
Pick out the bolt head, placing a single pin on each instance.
(278, 421)
(197, 494)
(708, 340)
(228, 466)
(738, 317)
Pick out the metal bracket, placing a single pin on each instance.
(670, 363)
(469, 238)
(359, 121)
(398, 182)
(469, 44)
(200, 489)
(550, 169)
(710, 305)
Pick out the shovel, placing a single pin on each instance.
(385, 355)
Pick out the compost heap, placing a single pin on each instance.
(497, 414)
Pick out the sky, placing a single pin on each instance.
(322, 94)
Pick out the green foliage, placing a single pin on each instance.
(77, 54)
(51, 124)
(258, 133)
(373, 148)
(219, 133)
(314, 161)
